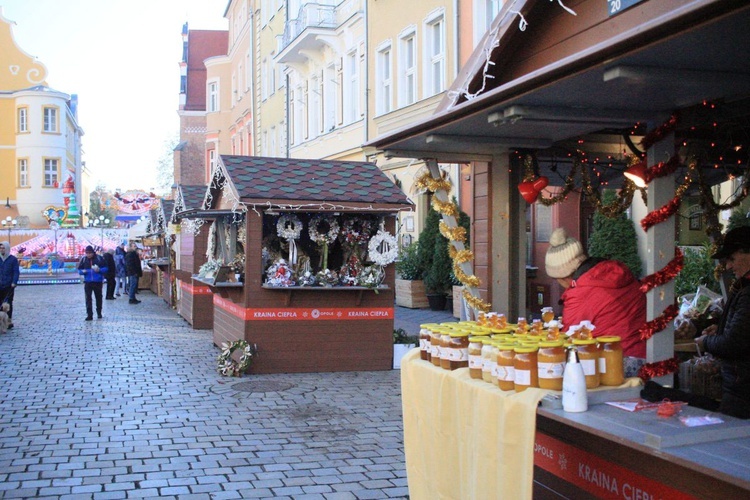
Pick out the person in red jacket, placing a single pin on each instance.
(604, 292)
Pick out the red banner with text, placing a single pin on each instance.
(596, 475)
(304, 313)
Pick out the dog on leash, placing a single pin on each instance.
(4, 319)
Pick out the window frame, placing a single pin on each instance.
(407, 88)
(435, 23)
(46, 122)
(213, 102)
(48, 172)
(384, 72)
(22, 169)
(22, 119)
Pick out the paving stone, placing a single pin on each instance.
(157, 420)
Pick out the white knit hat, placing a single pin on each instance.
(564, 255)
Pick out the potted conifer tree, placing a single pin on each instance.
(410, 290)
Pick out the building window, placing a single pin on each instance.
(330, 98)
(351, 96)
(271, 78)
(50, 119)
(384, 95)
(23, 172)
(51, 172)
(408, 70)
(249, 69)
(213, 97)
(23, 120)
(435, 47)
(313, 112)
(264, 80)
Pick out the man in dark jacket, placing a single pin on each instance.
(730, 339)
(134, 271)
(109, 258)
(93, 268)
(9, 273)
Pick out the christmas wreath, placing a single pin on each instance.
(328, 236)
(229, 367)
(382, 248)
(289, 227)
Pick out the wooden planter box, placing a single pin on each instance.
(196, 304)
(411, 294)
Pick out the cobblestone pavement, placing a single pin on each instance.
(131, 406)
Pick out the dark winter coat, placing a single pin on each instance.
(9, 271)
(732, 345)
(606, 293)
(133, 264)
(89, 275)
(111, 266)
(120, 262)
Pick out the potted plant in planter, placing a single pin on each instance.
(402, 343)
(435, 259)
(410, 290)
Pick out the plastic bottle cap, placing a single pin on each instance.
(609, 338)
(584, 341)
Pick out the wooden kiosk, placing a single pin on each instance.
(298, 328)
(194, 299)
(160, 241)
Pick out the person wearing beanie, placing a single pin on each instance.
(120, 273)
(730, 339)
(93, 268)
(604, 292)
(9, 274)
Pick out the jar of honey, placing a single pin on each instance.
(610, 362)
(588, 354)
(536, 327)
(551, 363)
(435, 333)
(475, 357)
(502, 321)
(424, 340)
(525, 367)
(548, 314)
(506, 374)
(522, 326)
(458, 351)
(487, 360)
(493, 364)
(553, 330)
(445, 347)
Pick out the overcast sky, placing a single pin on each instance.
(122, 59)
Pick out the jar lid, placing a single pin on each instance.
(479, 331)
(427, 326)
(584, 341)
(488, 340)
(551, 343)
(501, 330)
(506, 346)
(476, 339)
(608, 338)
(468, 323)
(459, 333)
(534, 338)
(502, 336)
(526, 348)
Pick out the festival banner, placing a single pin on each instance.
(596, 475)
(304, 313)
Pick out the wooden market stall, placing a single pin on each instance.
(661, 81)
(266, 214)
(194, 299)
(160, 240)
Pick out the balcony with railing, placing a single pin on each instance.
(314, 22)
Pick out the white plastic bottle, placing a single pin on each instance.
(574, 397)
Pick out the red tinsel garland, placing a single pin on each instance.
(659, 132)
(659, 369)
(667, 274)
(663, 168)
(661, 214)
(658, 324)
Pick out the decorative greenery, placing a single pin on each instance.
(739, 218)
(409, 267)
(211, 266)
(227, 366)
(615, 238)
(698, 270)
(434, 256)
(401, 337)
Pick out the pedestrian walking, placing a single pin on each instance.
(93, 268)
(134, 272)
(120, 273)
(110, 276)
(9, 273)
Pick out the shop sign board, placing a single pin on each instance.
(596, 475)
(304, 313)
(614, 7)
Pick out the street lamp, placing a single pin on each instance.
(101, 221)
(10, 223)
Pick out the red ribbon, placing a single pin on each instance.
(662, 214)
(659, 369)
(663, 168)
(667, 274)
(658, 324)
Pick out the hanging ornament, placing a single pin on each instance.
(530, 190)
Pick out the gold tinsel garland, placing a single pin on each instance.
(445, 207)
(476, 302)
(470, 281)
(457, 233)
(427, 181)
(462, 256)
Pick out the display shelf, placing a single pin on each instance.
(358, 289)
(223, 284)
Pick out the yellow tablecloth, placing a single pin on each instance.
(464, 438)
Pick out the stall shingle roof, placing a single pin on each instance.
(263, 178)
(192, 196)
